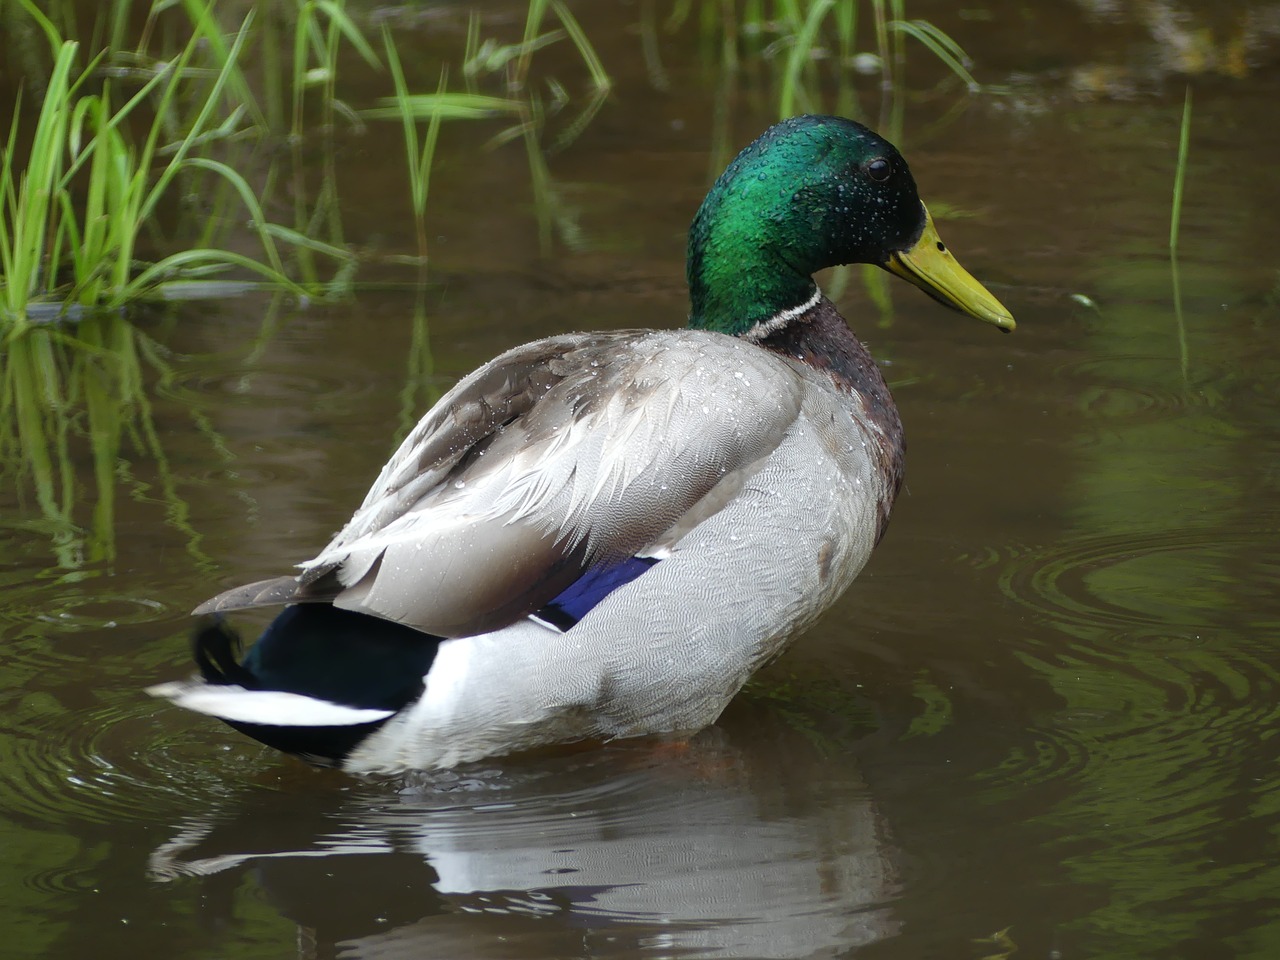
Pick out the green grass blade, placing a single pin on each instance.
(1175, 223)
(449, 106)
(801, 54)
(338, 17)
(250, 201)
(43, 22)
(208, 31)
(297, 239)
(409, 129)
(599, 76)
(940, 44)
(301, 33)
(471, 50)
(225, 75)
(1180, 173)
(114, 121)
(422, 176)
(536, 12)
(30, 229)
(154, 276)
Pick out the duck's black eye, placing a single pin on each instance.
(878, 169)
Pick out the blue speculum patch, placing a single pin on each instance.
(590, 589)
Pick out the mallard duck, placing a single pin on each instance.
(603, 535)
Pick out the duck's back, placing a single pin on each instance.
(558, 455)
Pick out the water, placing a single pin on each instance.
(1041, 721)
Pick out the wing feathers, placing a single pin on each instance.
(264, 593)
(558, 454)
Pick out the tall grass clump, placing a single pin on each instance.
(519, 102)
(77, 208)
(410, 109)
(110, 149)
(72, 215)
(122, 175)
(810, 45)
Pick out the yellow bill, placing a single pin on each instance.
(932, 268)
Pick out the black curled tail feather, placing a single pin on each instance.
(322, 653)
(216, 649)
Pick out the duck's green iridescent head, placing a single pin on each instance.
(813, 192)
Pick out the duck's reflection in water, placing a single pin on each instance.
(727, 846)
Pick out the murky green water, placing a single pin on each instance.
(1041, 724)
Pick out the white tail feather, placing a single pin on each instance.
(268, 707)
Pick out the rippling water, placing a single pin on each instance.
(630, 847)
(1041, 724)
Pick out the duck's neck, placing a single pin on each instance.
(819, 337)
(750, 256)
(736, 287)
